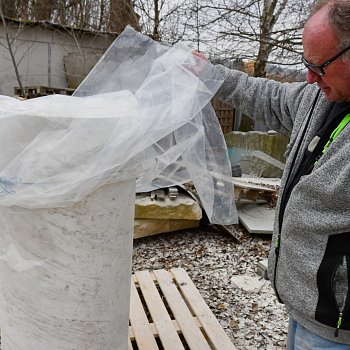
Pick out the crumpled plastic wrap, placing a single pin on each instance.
(143, 112)
(68, 169)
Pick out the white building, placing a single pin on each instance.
(47, 54)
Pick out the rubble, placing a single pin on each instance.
(248, 283)
(262, 268)
(253, 320)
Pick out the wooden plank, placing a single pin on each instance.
(189, 329)
(155, 331)
(161, 319)
(215, 332)
(139, 322)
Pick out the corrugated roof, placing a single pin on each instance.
(56, 26)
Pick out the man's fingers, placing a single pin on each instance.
(199, 54)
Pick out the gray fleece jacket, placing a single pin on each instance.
(311, 269)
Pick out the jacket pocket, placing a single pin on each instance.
(333, 276)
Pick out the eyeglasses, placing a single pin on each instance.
(318, 68)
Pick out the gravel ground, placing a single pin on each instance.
(253, 320)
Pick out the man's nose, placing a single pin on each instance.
(312, 77)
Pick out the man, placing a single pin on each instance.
(309, 263)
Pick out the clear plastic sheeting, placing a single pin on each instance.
(143, 112)
(68, 170)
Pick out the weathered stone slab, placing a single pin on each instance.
(149, 227)
(256, 218)
(181, 208)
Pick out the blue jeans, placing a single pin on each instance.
(299, 338)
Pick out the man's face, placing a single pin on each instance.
(320, 44)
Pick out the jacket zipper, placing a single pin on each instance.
(340, 311)
(277, 253)
(288, 182)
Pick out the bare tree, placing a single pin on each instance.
(271, 11)
(9, 45)
(16, 9)
(8, 8)
(101, 19)
(265, 31)
(121, 13)
(163, 20)
(100, 15)
(42, 10)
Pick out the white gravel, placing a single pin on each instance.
(253, 320)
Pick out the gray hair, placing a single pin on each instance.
(339, 19)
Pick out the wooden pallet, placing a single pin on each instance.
(226, 115)
(167, 312)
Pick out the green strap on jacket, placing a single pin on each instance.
(337, 131)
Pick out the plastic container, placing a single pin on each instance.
(236, 170)
(65, 277)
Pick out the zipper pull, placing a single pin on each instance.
(338, 324)
(277, 247)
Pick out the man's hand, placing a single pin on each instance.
(201, 62)
(200, 55)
